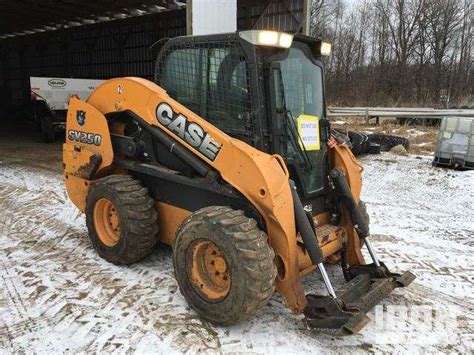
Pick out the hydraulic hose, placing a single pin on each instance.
(309, 238)
(304, 228)
(340, 183)
(174, 146)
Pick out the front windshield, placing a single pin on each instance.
(303, 93)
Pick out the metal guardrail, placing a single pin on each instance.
(398, 112)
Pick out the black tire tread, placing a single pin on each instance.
(254, 250)
(387, 141)
(356, 141)
(142, 226)
(47, 128)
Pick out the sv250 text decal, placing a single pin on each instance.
(83, 137)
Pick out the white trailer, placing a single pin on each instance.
(50, 98)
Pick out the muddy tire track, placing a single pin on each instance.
(57, 281)
(57, 295)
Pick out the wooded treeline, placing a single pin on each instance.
(398, 52)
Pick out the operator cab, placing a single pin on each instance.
(265, 88)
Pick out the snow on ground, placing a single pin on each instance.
(410, 133)
(57, 295)
(339, 122)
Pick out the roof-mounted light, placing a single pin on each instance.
(267, 38)
(326, 48)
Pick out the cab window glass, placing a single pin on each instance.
(303, 93)
(212, 81)
(302, 81)
(180, 77)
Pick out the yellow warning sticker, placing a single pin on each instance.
(308, 129)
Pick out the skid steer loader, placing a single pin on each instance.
(228, 157)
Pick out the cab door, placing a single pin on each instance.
(213, 79)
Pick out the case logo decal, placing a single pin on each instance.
(81, 117)
(191, 132)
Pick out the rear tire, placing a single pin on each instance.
(121, 219)
(47, 128)
(356, 140)
(365, 146)
(245, 263)
(387, 142)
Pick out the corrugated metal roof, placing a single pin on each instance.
(280, 15)
(26, 17)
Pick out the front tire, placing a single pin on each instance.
(223, 264)
(121, 219)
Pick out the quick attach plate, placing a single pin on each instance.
(347, 313)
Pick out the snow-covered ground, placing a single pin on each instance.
(57, 295)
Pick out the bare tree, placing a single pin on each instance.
(398, 52)
(323, 13)
(402, 18)
(444, 19)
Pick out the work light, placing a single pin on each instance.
(326, 48)
(268, 38)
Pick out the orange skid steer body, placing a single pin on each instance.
(226, 201)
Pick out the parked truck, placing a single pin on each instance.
(49, 101)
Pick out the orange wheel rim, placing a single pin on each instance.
(208, 270)
(106, 222)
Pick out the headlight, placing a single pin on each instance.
(267, 38)
(285, 40)
(326, 48)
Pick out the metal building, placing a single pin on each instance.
(109, 38)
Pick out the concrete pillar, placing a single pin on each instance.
(211, 16)
(306, 18)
